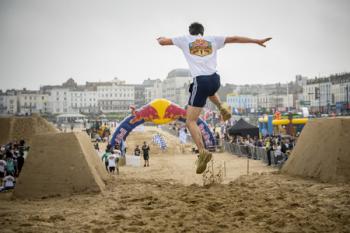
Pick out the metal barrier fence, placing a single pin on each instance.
(253, 152)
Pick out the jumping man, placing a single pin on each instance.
(200, 52)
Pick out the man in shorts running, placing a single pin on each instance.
(200, 52)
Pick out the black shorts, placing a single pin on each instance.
(202, 87)
(146, 157)
(111, 169)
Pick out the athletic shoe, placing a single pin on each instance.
(203, 158)
(226, 115)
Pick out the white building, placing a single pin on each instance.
(8, 102)
(173, 87)
(275, 102)
(32, 102)
(84, 101)
(115, 97)
(340, 90)
(242, 102)
(153, 90)
(59, 101)
(330, 94)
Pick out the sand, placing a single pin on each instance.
(169, 197)
(60, 164)
(137, 138)
(17, 128)
(5, 126)
(322, 151)
(256, 203)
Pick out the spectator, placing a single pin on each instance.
(20, 162)
(97, 147)
(112, 163)
(118, 155)
(9, 183)
(10, 167)
(145, 150)
(278, 152)
(137, 151)
(105, 158)
(183, 139)
(269, 150)
(2, 168)
(217, 139)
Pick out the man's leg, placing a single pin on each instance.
(191, 123)
(192, 116)
(215, 99)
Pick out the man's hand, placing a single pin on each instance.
(240, 39)
(164, 41)
(263, 41)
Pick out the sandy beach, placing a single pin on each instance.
(256, 203)
(169, 197)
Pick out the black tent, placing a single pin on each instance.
(243, 128)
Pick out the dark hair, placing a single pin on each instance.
(196, 29)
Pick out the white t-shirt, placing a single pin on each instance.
(183, 136)
(200, 52)
(117, 153)
(9, 181)
(278, 151)
(111, 160)
(2, 165)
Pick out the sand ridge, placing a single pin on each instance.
(60, 164)
(322, 151)
(17, 128)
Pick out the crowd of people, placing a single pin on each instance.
(277, 146)
(11, 163)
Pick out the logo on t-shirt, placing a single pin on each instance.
(201, 47)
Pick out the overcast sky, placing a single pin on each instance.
(46, 41)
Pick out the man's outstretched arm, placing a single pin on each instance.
(165, 41)
(239, 39)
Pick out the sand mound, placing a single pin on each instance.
(137, 138)
(322, 151)
(5, 125)
(60, 164)
(23, 128)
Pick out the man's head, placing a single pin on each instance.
(196, 29)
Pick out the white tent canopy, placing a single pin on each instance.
(70, 117)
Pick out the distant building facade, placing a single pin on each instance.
(173, 87)
(329, 94)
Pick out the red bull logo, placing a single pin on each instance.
(174, 112)
(159, 111)
(146, 113)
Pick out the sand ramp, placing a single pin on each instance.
(61, 164)
(322, 151)
(137, 138)
(23, 128)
